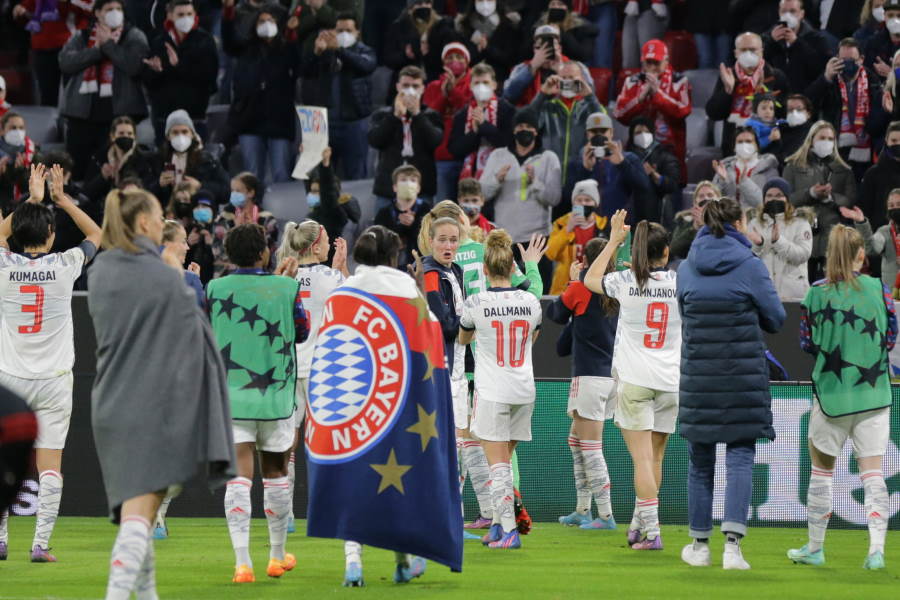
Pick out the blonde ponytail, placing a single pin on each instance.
(298, 239)
(498, 254)
(120, 214)
(844, 244)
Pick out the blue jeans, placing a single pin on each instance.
(349, 147)
(447, 179)
(260, 152)
(713, 49)
(604, 17)
(701, 483)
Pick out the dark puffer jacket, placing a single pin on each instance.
(725, 296)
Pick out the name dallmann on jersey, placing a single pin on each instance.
(507, 311)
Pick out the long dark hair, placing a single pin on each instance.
(591, 251)
(377, 246)
(649, 245)
(722, 212)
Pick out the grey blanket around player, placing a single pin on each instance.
(160, 399)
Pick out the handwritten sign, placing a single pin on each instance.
(314, 125)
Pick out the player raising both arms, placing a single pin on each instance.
(646, 361)
(504, 321)
(848, 323)
(37, 348)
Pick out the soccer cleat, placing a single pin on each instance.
(804, 557)
(41, 555)
(289, 561)
(874, 561)
(161, 531)
(470, 536)
(353, 576)
(696, 555)
(523, 519)
(243, 574)
(493, 534)
(733, 559)
(509, 541)
(479, 523)
(4, 551)
(415, 569)
(600, 523)
(275, 568)
(634, 536)
(576, 519)
(292, 527)
(648, 544)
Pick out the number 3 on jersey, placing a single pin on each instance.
(518, 338)
(658, 319)
(37, 308)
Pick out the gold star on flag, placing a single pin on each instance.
(421, 305)
(391, 473)
(429, 369)
(425, 428)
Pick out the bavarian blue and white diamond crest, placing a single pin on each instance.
(342, 375)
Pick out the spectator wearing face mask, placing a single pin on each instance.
(483, 125)
(563, 106)
(782, 239)
(418, 37)
(103, 65)
(848, 96)
(182, 69)
(795, 47)
(881, 178)
(571, 232)
(882, 46)
(471, 200)
(688, 222)
(337, 74)
(743, 175)
(262, 111)
(871, 21)
(200, 239)
(795, 126)
(122, 158)
(406, 133)
(494, 32)
(404, 215)
(654, 202)
(659, 94)
(820, 179)
(528, 78)
(17, 152)
(885, 242)
(576, 35)
(645, 20)
(732, 98)
(183, 159)
(447, 95)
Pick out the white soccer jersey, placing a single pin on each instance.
(504, 321)
(36, 335)
(647, 351)
(316, 283)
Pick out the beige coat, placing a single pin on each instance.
(787, 257)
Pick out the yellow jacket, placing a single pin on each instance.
(561, 249)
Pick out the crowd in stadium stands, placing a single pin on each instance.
(550, 115)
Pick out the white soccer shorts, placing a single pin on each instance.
(51, 401)
(300, 402)
(593, 397)
(269, 436)
(642, 409)
(501, 422)
(869, 431)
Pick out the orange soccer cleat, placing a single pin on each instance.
(243, 574)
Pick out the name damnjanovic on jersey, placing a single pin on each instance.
(651, 292)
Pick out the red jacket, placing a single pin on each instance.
(447, 106)
(73, 16)
(667, 108)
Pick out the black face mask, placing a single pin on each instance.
(555, 15)
(524, 137)
(894, 215)
(588, 211)
(183, 210)
(775, 207)
(598, 140)
(850, 68)
(423, 13)
(894, 150)
(124, 143)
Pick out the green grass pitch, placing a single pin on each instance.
(195, 563)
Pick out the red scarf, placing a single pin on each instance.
(858, 127)
(99, 77)
(745, 87)
(895, 239)
(474, 163)
(176, 35)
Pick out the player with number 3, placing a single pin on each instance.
(37, 348)
(646, 361)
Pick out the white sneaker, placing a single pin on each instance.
(696, 555)
(733, 559)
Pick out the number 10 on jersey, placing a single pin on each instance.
(518, 340)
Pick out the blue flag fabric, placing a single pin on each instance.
(380, 438)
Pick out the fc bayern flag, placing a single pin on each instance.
(380, 438)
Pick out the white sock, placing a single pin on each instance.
(648, 513)
(582, 489)
(127, 557)
(597, 475)
(479, 475)
(352, 553)
(818, 506)
(163, 509)
(49, 497)
(877, 508)
(636, 524)
(237, 514)
(4, 526)
(145, 587)
(277, 501)
(461, 468)
(291, 480)
(502, 496)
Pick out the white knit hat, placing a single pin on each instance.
(456, 46)
(587, 187)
